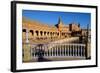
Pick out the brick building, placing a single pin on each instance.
(39, 32)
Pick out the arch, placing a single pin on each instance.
(44, 32)
(24, 30)
(37, 33)
(55, 33)
(62, 34)
(31, 31)
(58, 33)
(50, 33)
(47, 33)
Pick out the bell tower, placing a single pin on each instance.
(60, 24)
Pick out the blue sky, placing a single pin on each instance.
(52, 17)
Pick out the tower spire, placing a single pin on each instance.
(60, 21)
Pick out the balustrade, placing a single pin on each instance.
(77, 50)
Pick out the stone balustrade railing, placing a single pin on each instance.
(77, 50)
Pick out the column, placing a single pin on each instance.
(34, 34)
(51, 52)
(68, 50)
(27, 34)
(65, 50)
(33, 54)
(27, 49)
(46, 35)
(35, 51)
(39, 35)
(73, 50)
(48, 53)
(81, 50)
(60, 51)
(78, 50)
(57, 50)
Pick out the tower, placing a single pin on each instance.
(60, 24)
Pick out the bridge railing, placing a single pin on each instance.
(58, 50)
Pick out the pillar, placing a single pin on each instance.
(27, 49)
(81, 50)
(57, 50)
(65, 50)
(75, 50)
(35, 35)
(68, 51)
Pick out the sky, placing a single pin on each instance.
(52, 17)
